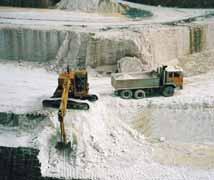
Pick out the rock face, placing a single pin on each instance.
(130, 64)
(104, 6)
(154, 46)
(197, 38)
(29, 44)
(72, 50)
(108, 48)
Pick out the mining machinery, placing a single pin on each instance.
(71, 84)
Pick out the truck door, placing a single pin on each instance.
(176, 78)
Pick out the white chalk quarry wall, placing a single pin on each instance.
(154, 45)
(72, 51)
(62, 47)
(210, 34)
(80, 49)
(29, 44)
(107, 48)
(166, 44)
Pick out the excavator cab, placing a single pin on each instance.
(79, 88)
(81, 84)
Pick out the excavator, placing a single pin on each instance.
(71, 84)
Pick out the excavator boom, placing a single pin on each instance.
(63, 109)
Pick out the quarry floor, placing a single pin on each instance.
(153, 138)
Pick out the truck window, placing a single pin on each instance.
(170, 75)
(176, 74)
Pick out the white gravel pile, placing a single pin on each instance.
(103, 6)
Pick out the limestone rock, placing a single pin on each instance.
(73, 50)
(130, 64)
(107, 48)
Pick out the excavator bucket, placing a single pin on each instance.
(63, 146)
(69, 146)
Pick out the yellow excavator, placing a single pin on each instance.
(71, 84)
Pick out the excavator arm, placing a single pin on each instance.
(63, 109)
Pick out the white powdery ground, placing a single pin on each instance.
(21, 87)
(59, 18)
(108, 146)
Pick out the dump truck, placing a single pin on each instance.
(138, 85)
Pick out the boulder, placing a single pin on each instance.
(129, 64)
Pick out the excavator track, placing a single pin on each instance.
(55, 103)
(90, 98)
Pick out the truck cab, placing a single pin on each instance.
(174, 75)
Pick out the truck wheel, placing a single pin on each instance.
(126, 94)
(168, 91)
(139, 94)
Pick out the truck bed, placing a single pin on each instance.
(138, 75)
(135, 80)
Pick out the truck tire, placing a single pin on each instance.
(126, 94)
(139, 94)
(168, 91)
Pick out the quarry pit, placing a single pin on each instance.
(152, 138)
